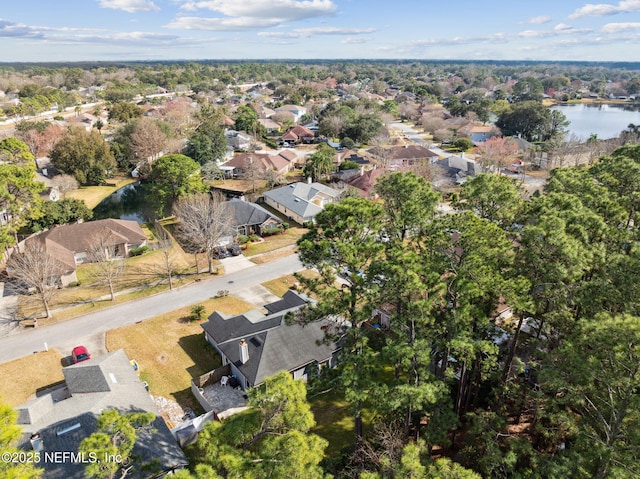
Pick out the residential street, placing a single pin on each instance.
(23, 342)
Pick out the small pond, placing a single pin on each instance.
(130, 202)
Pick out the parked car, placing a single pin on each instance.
(79, 354)
(220, 252)
(234, 249)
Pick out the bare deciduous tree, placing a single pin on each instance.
(169, 262)
(35, 270)
(204, 220)
(105, 251)
(498, 152)
(65, 183)
(147, 140)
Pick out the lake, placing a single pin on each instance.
(128, 203)
(605, 120)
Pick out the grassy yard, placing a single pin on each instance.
(145, 272)
(92, 195)
(280, 285)
(270, 243)
(171, 350)
(21, 378)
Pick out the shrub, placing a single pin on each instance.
(272, 231)
(348, 165)
(198, 312)
(242, 239)
(138, 251)
(285, 226)
(254, 237)
(74, 284)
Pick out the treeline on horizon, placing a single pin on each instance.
(87, 65)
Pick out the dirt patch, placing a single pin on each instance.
(172, 413)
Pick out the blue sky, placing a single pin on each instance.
(74, 30)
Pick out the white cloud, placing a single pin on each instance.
(602, 9)
(355, 40)
(620, 27)
(314, 31)
(131, 6)
(539, 20)
(223, 24)
(286, 9)
(250, 14)
(559, 29)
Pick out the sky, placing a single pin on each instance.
(104, 30)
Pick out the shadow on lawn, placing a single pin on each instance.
(204, 357)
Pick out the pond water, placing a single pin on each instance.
(605, 120)
(130, 202)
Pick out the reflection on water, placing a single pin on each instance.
(603, 120)
(128, 203)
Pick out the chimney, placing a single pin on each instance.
(361, 170)
(244, 351)
(36, 442)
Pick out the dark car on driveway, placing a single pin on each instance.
(220, 252)
(234, 250)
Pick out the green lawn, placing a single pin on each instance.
(171, 350)
(92, 195)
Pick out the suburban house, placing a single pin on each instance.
(260, 342)
(269, 126)
(398, 157)
(301, 202)
(250, 218)
(57, 420)
(71, 244)
(297, 134)
(365, 182)
(296, 111)
(459, 168)
(237, 140)
(244, 163)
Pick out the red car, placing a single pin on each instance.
(79, 354)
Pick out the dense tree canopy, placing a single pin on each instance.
(85, 155)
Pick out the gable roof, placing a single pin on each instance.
(298, 132)
(366, 182)
(273, 344)
(298, 197)
(264, 161)
(246, 213)
(106, 382)
(77, 237)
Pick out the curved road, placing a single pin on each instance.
(27, 341)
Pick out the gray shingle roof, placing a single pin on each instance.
(107, 382)
(298, 197)
(273, 345)
(249, 214)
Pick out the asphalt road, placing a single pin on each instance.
(23, 342)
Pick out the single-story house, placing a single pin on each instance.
(365, 182)
(297, 111)
(398, 157)
(301, 202)
(250, 218)
(56, 422)
(71, 244)
(257, 345)
(269, 126)
(298, 134)
(243, 163)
